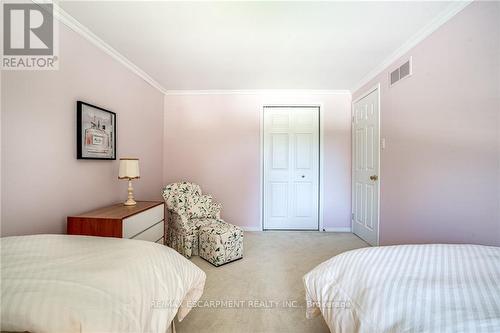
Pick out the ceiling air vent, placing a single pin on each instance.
(401, 72)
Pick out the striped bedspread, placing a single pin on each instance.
(408, 288)
(60, 283)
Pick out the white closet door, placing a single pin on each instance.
(291, 168)
(365, 160)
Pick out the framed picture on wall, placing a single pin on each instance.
(95, 132)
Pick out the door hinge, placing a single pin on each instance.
(352, 216)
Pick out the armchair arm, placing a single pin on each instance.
(215, 209)
(177, 221)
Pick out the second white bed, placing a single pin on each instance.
(408, 288)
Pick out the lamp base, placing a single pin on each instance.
(130, 200)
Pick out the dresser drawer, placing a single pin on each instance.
(152, 234)
(137, 223)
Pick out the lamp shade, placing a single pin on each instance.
(129, 168)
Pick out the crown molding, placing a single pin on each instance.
(62, 16)
(257, 92)
(453, 9)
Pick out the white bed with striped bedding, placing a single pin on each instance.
(60, 283)
(408, 288)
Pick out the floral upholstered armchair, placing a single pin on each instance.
(189, 210)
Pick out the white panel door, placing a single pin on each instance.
(365, 161)
(291, 168)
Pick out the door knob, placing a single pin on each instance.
(374, 177)
(303, 176)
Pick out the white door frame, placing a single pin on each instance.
(366, 93)
(321, 159)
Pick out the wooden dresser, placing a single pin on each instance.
(144, 221)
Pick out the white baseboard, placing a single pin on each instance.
(334, 229)
(338, 229)
(251, 228)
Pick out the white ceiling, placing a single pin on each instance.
(256, 45)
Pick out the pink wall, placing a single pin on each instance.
(440, 176)
(42, 181)
(440, 172)
(214, 140)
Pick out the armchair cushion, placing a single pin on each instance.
(185, 199)
(176, 196)
(203, 207)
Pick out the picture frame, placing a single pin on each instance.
(95, 132)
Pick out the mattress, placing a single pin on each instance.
(408, 288)
(61, 283)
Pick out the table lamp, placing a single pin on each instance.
(129, 169)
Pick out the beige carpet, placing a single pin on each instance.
(264, 290)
